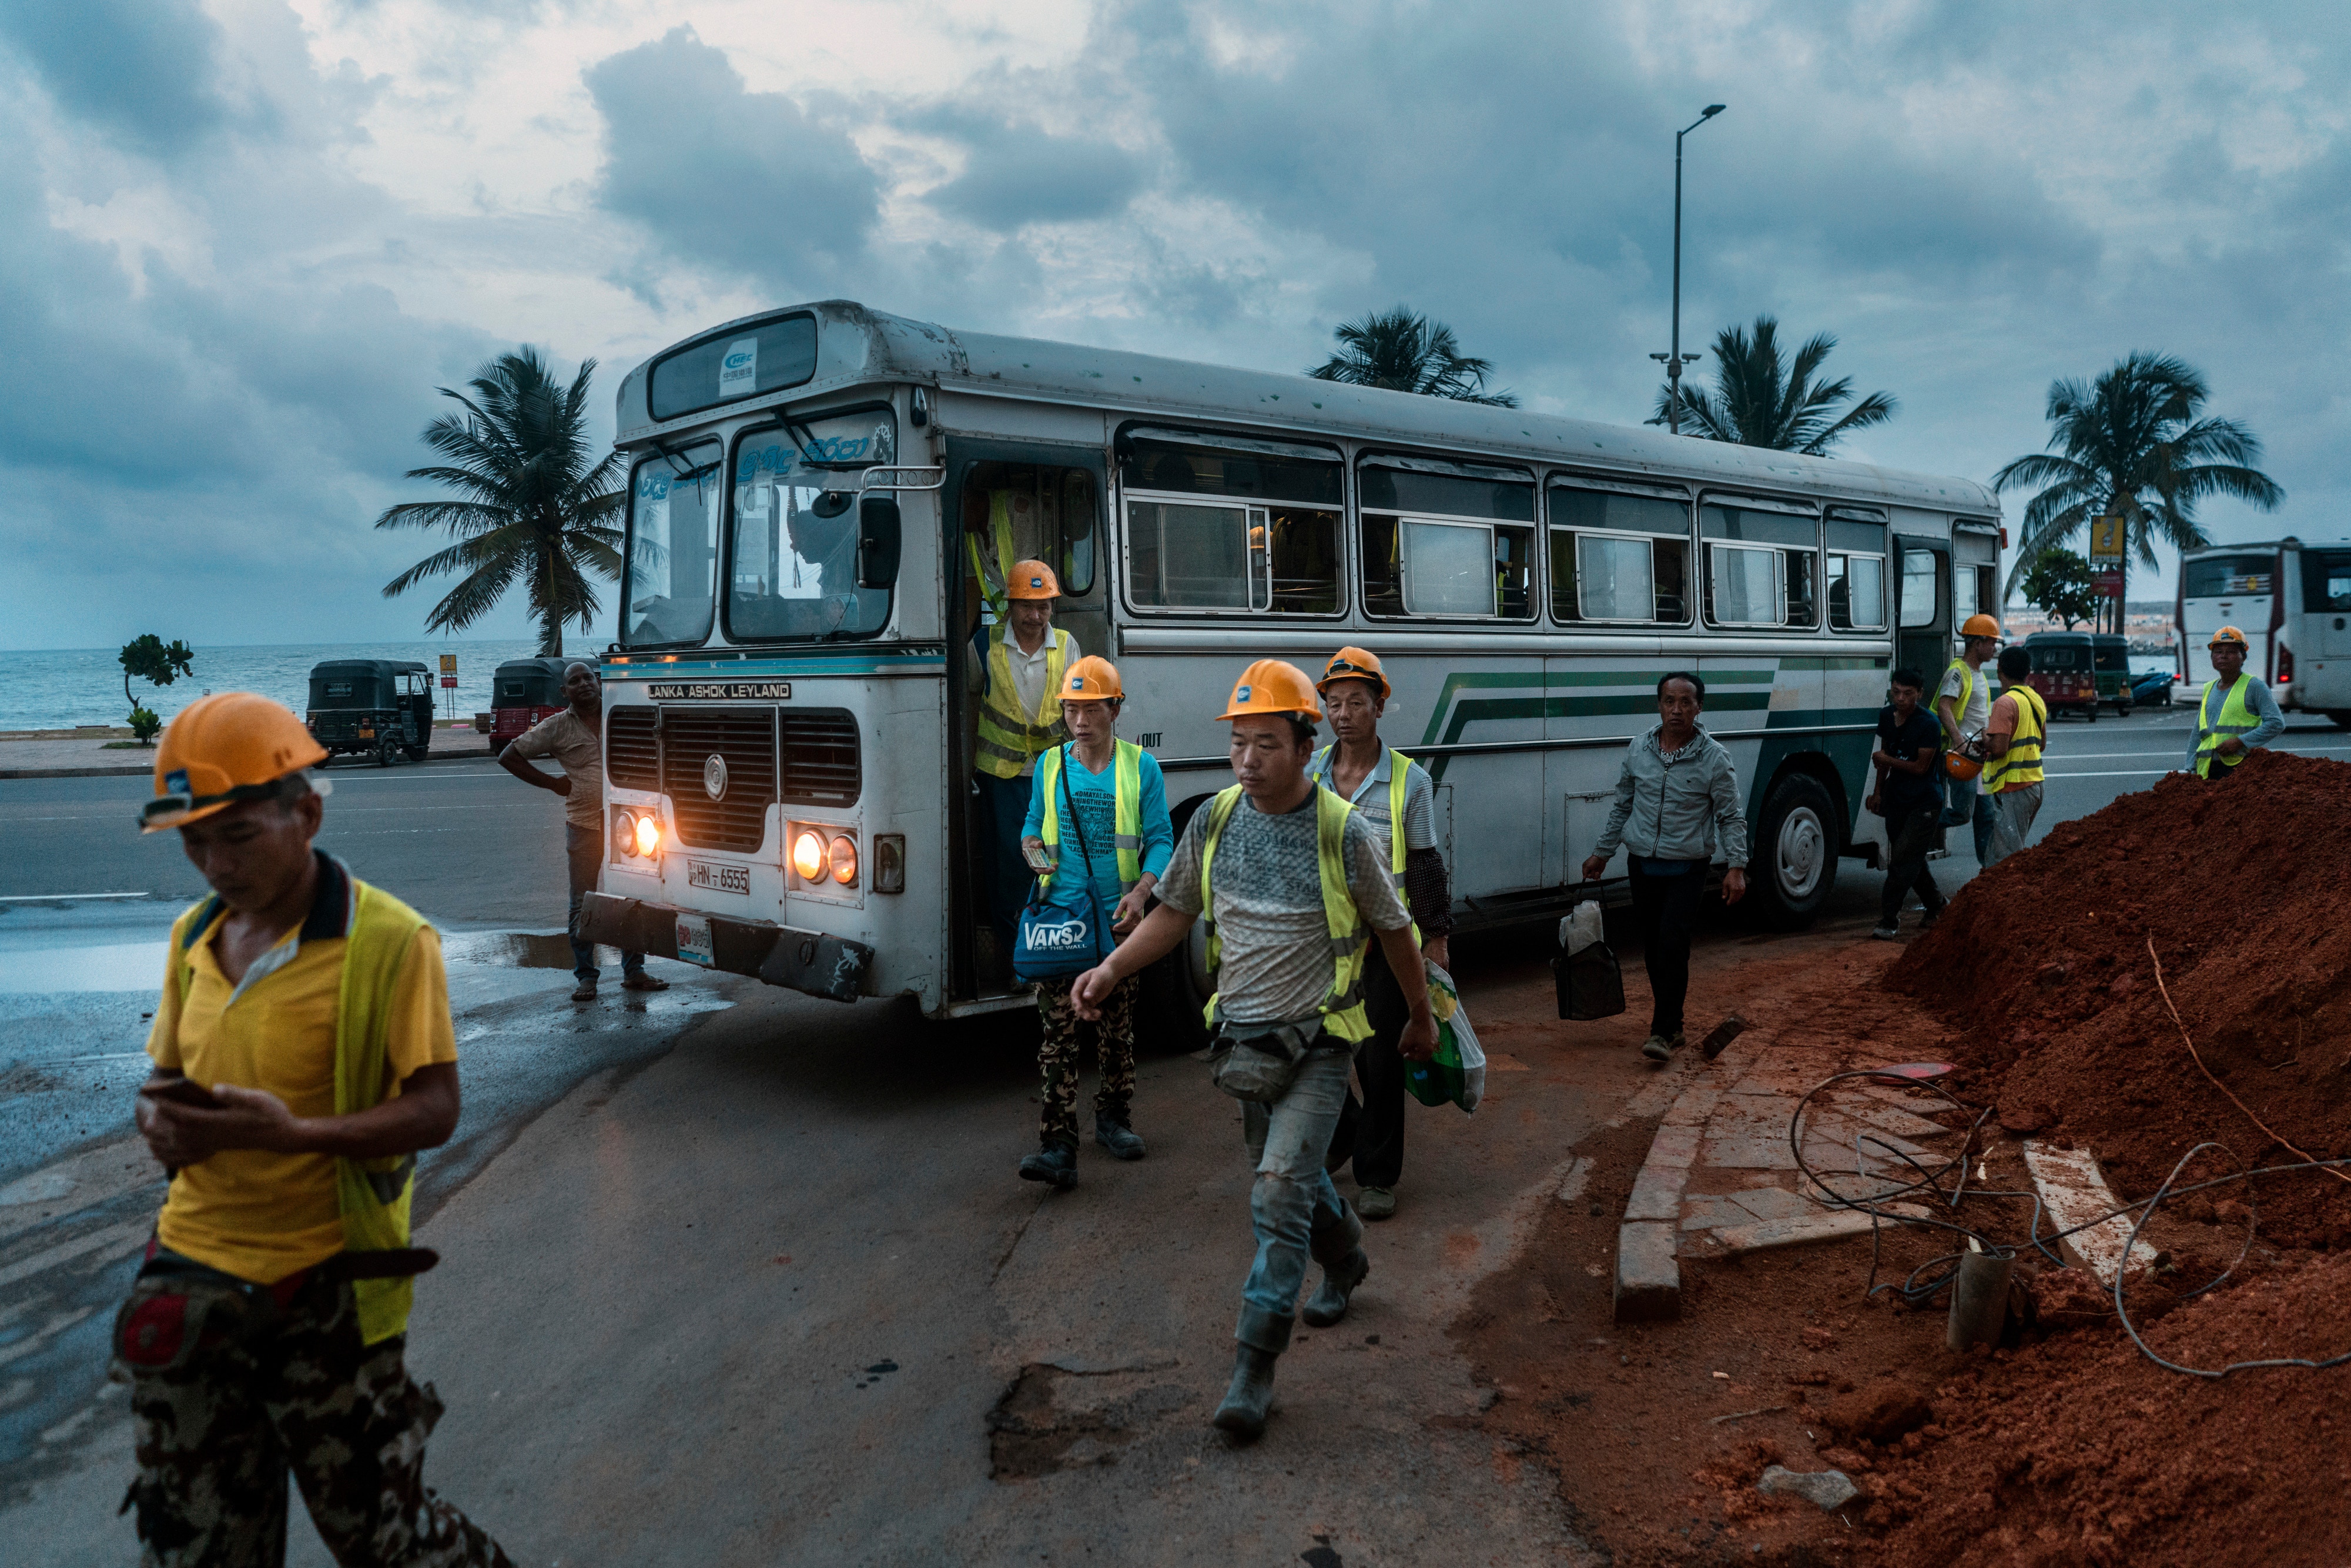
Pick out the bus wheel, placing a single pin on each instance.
(1171, 1013)
(1794, 863)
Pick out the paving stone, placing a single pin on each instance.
(1696, 1102)
(2074, 1192)
(1673, 1146)
(1648, 1280)
(1773, 1203)
(1656, 1194)
(1749, 1152)
(1893, 1121)
(1825, 1226)
(1713, 1214)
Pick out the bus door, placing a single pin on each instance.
(1924, 630)
(1048, 497)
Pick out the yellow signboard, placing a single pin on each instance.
(448, 664)
(2105, 539)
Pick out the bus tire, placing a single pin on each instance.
(1792, 866)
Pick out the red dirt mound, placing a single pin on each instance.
(2070, 1453)
(2243, 887)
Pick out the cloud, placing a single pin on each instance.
(718, 174)
(142, 70)
(1020, 174)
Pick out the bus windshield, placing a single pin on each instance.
(793, 548)
(2220, 576)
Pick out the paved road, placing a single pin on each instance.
(653, 1216)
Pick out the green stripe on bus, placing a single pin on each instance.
(1553, 679)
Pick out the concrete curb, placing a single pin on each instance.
(1648, 1286)
(2074, 1192)
(145, 769)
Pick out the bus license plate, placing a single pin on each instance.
(719, 878)
(693, 940)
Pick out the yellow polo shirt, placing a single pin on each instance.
(249, 1212)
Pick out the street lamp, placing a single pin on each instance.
(1674, 360)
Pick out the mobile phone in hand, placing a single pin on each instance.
(180, 1091)
(1038, 857)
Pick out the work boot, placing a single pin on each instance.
(1329, 1304)
(1112, 1133)
(1661, 1047)
(1261, 1337)
(585, 991)
(1889, 932)
(1056, 1163)
(1376, 1202)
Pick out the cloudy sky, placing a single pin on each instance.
(242, 241)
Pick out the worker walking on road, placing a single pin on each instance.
(1676, 799)
(574, 737)
(2013, 737)
(1908, 742)
(1961, 704)
(303, 1054)
(2236, 713)
(1121, 840)
(1394, 794)
(1295, 888)
(1015, 670)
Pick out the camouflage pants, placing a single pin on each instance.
(230, 1391)
(1058, 1056)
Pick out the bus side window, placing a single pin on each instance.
(1919, 593)
(1770, 575)
(1856, 593)
(1449, 538)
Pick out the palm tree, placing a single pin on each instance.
(1761, 400)
(2130, 445)
(1404, 352)
(533, 502)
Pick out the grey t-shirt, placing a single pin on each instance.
(1978, 702)
(1275, 963)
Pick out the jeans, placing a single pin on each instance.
(1297, 1213)
(1665, 909)
(1370, 1132)
(2017, 808)
(1909, 835)
(583, 851)
(1003, 807)
(1971, 804)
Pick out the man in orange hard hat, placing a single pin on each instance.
(1015, 670)
(1295, 889)
(1963, 703)
(303, 1055)
(2235, 714)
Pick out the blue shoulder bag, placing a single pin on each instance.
(1063, 931)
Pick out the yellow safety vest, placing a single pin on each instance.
(1008, 737)
(373, 1195)
(999, 525)
(2021, 763)
(1399, 769)
(1342, 1009)
(2236, 718)
(1960, 705)
(1126, 810)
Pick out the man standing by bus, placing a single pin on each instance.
(2012, 740)
(1295, 889)
(1394, 794)
(2236, 713)
(303, 1055)
(1962, 703)
(574, 737)
(1015, 670)
(1904, 797)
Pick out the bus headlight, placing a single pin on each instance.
(647, 835)
(624, 832)
(809, 856)
(889, 863)
(845, 860)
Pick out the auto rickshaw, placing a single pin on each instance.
(2110, 664)
(2063, 672)
(523, 692)
(371, 708)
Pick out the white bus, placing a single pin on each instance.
(2314, 657)
(2227, 585)
(788, 739)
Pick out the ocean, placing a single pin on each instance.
(58, 688)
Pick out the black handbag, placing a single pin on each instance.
(1590, 982)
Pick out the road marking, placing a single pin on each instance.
(133, 1231)
(63, 897)
(2116, 773)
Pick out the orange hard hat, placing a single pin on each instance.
(231, 746)
(1092, 679)
(1270, 686)
(1032, 579)
(1353, 663)
(1979, 626)
(2228, 635)
(1960, 766)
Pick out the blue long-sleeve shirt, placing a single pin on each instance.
(1095, 795)
(2264, 705)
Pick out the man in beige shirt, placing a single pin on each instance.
(575, 738)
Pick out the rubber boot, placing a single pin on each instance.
(1339, 1248)
(1055, 1163)
(1259, 1339)
(1112, 1133)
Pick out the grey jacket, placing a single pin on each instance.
(1672, 809)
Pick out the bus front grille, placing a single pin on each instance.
(745, 740)
(632, 757)
(822, 762)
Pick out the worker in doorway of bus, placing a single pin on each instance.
(1121, 843)
(2236, 713)
(1015, 670)
(1394, 794)
(1295, 889)
(2013, 737)
(1675, 797)
(575, 738)
(303, 1055)
(1908, 742)
(1961, 704)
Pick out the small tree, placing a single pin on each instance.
(2059, 582)
(150, 659)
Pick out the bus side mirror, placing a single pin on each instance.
(877, 542)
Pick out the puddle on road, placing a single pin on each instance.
(518, 949)
(117, 966)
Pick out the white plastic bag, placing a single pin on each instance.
(1581, 929)
(1458, 1072)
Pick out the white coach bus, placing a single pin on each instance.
(2312, 670)
(787, 737)
(2227, 585)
